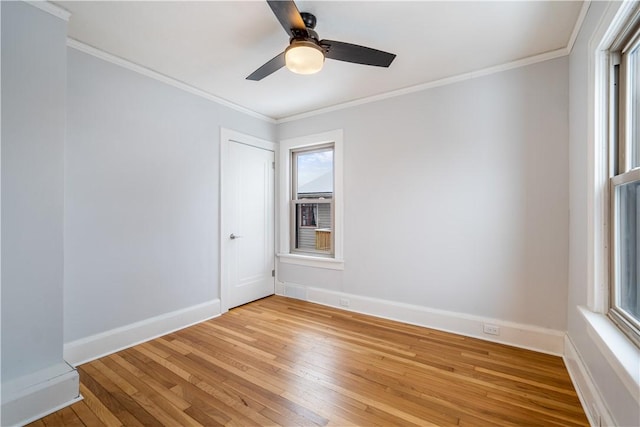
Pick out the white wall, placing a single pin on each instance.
(33, 130)
(456, 198)
(141, 196)
(624, 408)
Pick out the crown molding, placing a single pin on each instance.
(455, 79)
(576, 28)
(51, 8)
(433, 84)
(75, 44)
(90, 50)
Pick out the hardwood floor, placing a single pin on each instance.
(280, 361)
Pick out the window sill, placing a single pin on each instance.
(312, 261)
(621, 353)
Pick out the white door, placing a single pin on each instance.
(247, 219)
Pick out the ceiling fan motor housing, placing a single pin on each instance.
(306, 34)
(309, 20)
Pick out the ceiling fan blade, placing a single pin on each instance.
(358, 54)
(288, 14)
(270, 67)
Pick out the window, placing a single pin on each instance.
(312, 200)
(624, 301)
(310, 224)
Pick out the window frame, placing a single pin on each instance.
(285, 253)
(621, 169)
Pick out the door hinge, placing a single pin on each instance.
(273, 273)
(273, 165)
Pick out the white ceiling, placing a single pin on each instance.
(213, 46)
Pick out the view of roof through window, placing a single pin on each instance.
(315, 172)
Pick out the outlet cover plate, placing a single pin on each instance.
(491, 329)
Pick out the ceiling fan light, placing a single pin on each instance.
(304, 57)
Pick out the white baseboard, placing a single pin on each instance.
(95, 346)
(590, 397)
(38, 394)
(519, 335)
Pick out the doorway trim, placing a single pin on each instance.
(227, 136)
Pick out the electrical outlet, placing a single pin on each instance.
(491, 329)
(344, 302)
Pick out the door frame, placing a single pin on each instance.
(227, 136)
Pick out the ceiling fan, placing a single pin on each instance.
(306, 52)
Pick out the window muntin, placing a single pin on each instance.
(624, 195)
(312, 207)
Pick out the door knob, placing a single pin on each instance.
(233, 236)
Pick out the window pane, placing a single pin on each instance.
(634, 92)
(627, 297)
(313, 228)
(315, 174)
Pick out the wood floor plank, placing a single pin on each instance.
(290, 384)
(63, 417)
(280, 361)
(201, 392)
(119, 403)
(85, 414)
(97, 407)
(152, 395)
